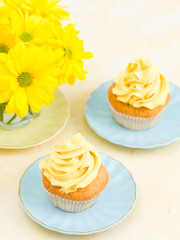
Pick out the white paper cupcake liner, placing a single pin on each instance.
(135, 123)
(70, 205)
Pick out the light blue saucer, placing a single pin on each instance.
(113, 205)
(100, 119)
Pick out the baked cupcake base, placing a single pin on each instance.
(70, 205)
(134, 118)
(135, 123)
(81, 199)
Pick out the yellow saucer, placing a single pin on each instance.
(51, 121)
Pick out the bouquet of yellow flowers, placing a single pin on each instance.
(37, 54)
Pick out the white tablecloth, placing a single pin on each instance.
(115, 31)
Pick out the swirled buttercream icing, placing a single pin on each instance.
(141, 85)
(73, 164)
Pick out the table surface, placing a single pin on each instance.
(115, 31)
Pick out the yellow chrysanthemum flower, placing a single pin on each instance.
(30, 28)
(26, 79)
(15, 4)
(7, 39)
(69, 52)
(4, 14)
(50, 9)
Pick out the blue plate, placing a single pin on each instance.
(113, 205)
(100, 119)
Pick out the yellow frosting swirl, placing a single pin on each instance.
(141, 85)
(73, 164)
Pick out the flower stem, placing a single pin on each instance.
(2, 110)
(10, 120)
(30, 111)
(1, 114)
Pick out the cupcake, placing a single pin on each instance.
(73, 175)
(139, 95)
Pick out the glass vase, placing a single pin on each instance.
(12, 121)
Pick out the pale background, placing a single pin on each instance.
(116, 31)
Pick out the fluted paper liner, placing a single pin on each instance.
(135, 123)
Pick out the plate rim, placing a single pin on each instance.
(47, 139)
(78, 232)
(109, 139)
